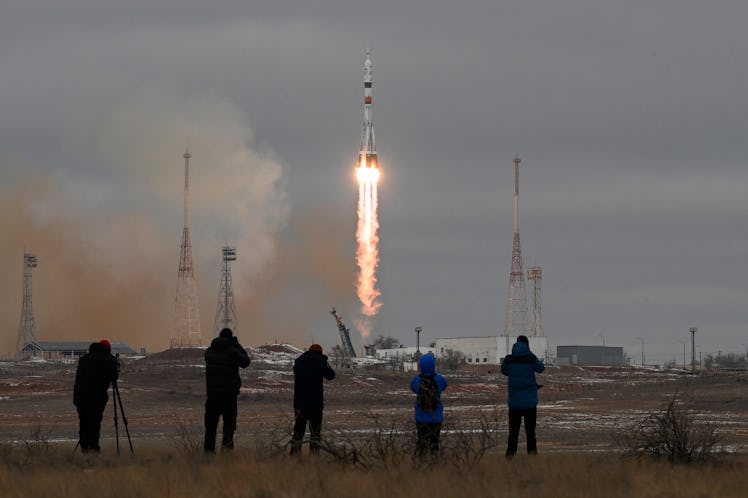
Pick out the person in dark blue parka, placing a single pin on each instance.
(428, 422)
(520, 368)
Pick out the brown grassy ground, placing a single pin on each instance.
(164, 394)
(164, 474)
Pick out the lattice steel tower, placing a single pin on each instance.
(27, 327)
(185, 331)
(535, 275)
(225, 311)
(515, 322)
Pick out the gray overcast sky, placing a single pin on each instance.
(629, 118)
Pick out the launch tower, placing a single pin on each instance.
(185, 330)
(225, 311)
(27, 327)
(345, 336)
(515, 322)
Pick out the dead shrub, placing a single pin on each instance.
(673, 433)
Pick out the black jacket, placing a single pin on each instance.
(96, 370)
(222, 361)
(308, 370)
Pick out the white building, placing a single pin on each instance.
(489, 350)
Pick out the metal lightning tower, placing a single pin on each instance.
(515, 322)
(27, 327)
(225, 311)
(185, 330)
(535, 275)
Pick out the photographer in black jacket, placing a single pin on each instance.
(308, 398)
(222, 361)
(96, 371)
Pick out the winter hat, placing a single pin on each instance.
(106, 344)
(226, 332)
(316, 347)
(522, 338)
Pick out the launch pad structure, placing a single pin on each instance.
(345, 336)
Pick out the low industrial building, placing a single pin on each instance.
(401, 354)
(68, 349)
(590, 355)
(489, 350)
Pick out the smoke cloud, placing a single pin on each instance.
(107, 229)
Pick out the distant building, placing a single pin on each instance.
(68, 349)
(589, 355)
(489, 350)
(401, 354)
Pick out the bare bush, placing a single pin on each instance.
(466, 442)
(391, 441)
(188, 441)
(673, 433)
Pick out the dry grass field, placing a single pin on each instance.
(368, 433)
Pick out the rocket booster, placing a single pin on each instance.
(368, 154)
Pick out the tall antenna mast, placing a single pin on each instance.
(27, 327)
(185, 330)
(225, 311)
(535, 275)
(515, 322)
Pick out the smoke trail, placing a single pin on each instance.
(367, 254)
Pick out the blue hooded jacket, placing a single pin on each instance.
(520, 367)
(427, 366)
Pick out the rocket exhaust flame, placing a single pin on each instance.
(367, 236)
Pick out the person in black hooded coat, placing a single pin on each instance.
(308, 396)
(96, 371)
(222, 361)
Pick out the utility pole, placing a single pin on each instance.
(418, 341)
(642, 339)
(693, 349)
(684, 352)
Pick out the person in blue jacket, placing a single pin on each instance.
(428, 418)
(520, 368)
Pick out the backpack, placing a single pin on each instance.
(428, 394)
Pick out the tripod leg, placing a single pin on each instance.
(124, 419)
(114, 404)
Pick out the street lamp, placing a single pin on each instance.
(603, 337)
(418, 341)
(642, 339)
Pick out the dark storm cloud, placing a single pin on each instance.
(628, 116)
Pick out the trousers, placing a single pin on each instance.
(515, 421)
(427, 439)
(314, 419)
(89, 417)
(215, 408)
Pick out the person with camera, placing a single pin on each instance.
(223, 359)
(309, 370)
(96, 371)
(520, 368)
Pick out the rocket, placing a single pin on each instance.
(367, 157)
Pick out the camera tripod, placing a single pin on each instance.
(117, 399)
